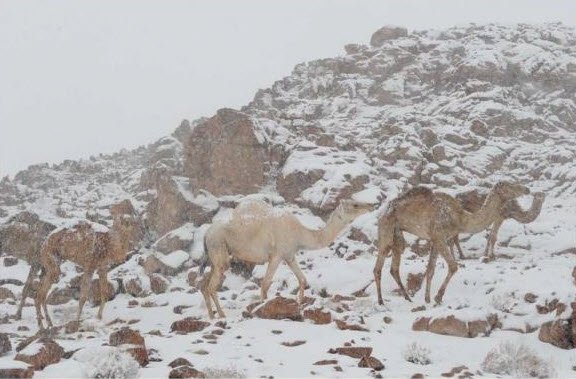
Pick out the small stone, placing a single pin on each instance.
(530, 298)
(5, 345)
(354, 352)
(294, 343)
(188, 325)
(10, 261)
(180, 362)
(387, 319)
(371, 362)
(326, 362)
(185, 372)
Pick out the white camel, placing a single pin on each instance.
(258, 233)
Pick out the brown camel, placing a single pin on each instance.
(91, 246)
(258, 233)
(472, 202)
(22, 236)
(436, 217)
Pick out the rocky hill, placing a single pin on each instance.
(454, 110)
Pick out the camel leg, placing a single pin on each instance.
(51, 274)
(489, 252)
(378, 272)
(33, 271)
(206, 293)
(397, 250)
(84, 288)
(430, 271)
(215, 282)
(273, 264)
(452, 268)
(457, 244)
(103, 284)
(300, 276)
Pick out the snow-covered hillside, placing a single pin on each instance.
(454, 110)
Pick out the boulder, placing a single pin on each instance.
(178, 239)
(228, 155)
(371, 362)
(158, 283)
(352, 351)
(132, 342)
(387, 33)
(279, 308)
(188, 325)
(290, 186)
(5, 345)
(557, 333)
(185, 372)
(174, 204)
(19, 371)
(449, 326)
(318, 316)
(179, 362)
(41, 354)
(133, 286)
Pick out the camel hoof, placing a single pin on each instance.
(427, 299)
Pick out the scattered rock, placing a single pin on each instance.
(279, 308)
(371, 362)
(530, 298)
(342, 325)
(326, 362)
(354, 352)
(5, 293)
(16, 373)
(179, 362)
(185, 372)
(133, 286)
(387, 33)
(158, 283)
(293, 343)
(10, 261)
(5, 345)
(136, 345)
(41, 354)
(318, 316)
(188, 325)
(557, 333)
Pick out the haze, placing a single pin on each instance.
(79, 78)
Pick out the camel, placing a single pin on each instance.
(22, 236)
(91, 246)
(472, 202)
(258, 233)
(436, 217)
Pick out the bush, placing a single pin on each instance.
(220, 373)
(417, 354)
(108, 362)
(518, 361)
(503, 302)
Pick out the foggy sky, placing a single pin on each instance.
(79, 78)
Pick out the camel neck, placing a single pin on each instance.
(317, 239)
(484, 217)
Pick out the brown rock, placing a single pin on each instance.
(41, 354)
(188, 325)
(326, 362)
(421, 324)
(387, 33)
(172, 242)
(133, 286)
(153, 265)
(293, 343)
(158, 283)
(318, 316)
(371, 362)
(417, 376)
(185, 372)
(358, 235)
(530, 298)
(225, 156)
(5, 293)
(354, 352)
(478, 327)
(414, 283)
(16, 373)
(171, 208)
(179, 362)
(137, 348)
(192, 277)
(449, 326)
(342, 325)
(557, 333)
(5, 345)
(279, 308)
(291, 186)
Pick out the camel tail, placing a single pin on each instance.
(204, 260)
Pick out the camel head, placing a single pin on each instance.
(508, 191)
(127, 227)
(348, 210)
